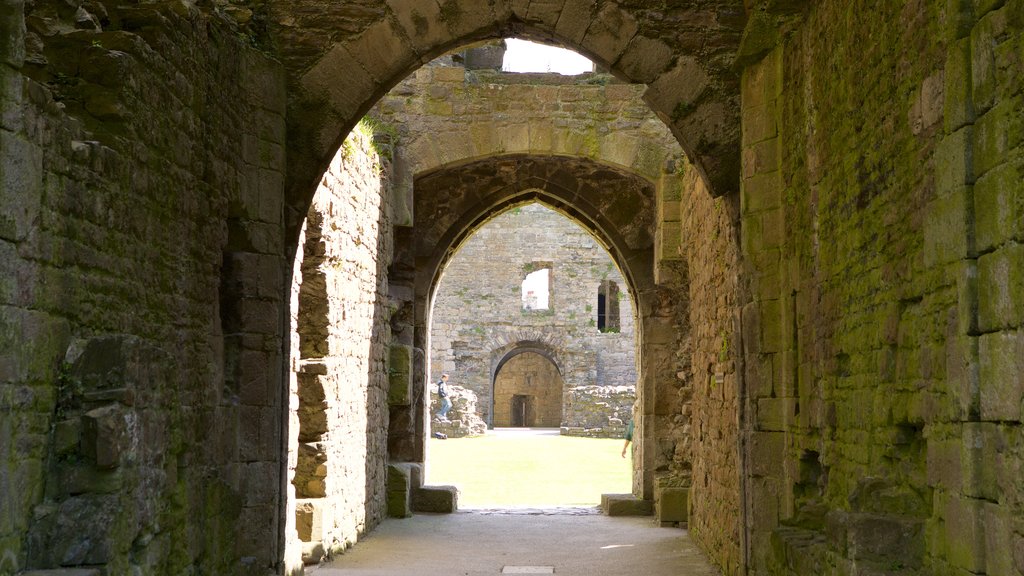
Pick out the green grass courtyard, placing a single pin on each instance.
(517, 467)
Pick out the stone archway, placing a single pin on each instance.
(617, 208)
(335, 77)
(528, 390)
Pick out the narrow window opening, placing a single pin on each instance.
(537, 290)
(608, 307)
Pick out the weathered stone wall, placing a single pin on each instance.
(141, 291)
(881, 221)
(340, 335)
(479, 318)
(709, 421)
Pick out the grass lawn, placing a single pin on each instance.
(506, 469)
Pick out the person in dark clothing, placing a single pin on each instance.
(446, 403)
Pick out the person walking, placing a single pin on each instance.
(446, 403)
(628, 437)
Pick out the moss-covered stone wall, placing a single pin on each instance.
(881, 222)
(141, 290)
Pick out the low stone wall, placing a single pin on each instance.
(464, 416)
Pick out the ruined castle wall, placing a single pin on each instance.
(478, 315)
(141, 282)
(882, 226)
(709, 423)
(340, 333)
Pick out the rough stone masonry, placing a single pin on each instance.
(830, 290)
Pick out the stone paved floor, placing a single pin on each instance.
(578, 541)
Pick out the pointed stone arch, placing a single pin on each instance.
(343, 60)
(615, 206)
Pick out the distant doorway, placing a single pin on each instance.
(528, 393)
(522, 411)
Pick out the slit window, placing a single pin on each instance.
(608, 306)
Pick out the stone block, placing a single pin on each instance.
(383, 50)
(618, 148)
(541, 138)
(964, 533)
(668, 241)
(944, 463)
(773, 414)
(985, 35)
(514, 138)
(764, 502)
(671, 503)
(313, 553)
(271, 195)
(438, 499)
(967, 299)
(959, 108)
(674, 92)
(927, 106)
(947, 227)
(12, 33)
(998, 134)
(767, 450)
(773, 228)
(886, 539)
(454, 74)
(76, 532)
(345, 98)
(67, 436)
(998, 524)
(1001, 359)
(644, 60)
(625, 505)
(87, 479)
(761, 192)
(999, 206)
(761, 158)
(981, 460)
(104, 434)
(953, 161)
(12, 86)
(399, 491)
(469, 19)
(772, 326)
(1001, 288)
(311, 517)
(609, 33)
(21, 169)
(575, 18)
(399, 375)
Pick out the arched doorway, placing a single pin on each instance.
(528, 393)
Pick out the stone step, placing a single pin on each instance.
(441, 499)
(625, 505)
